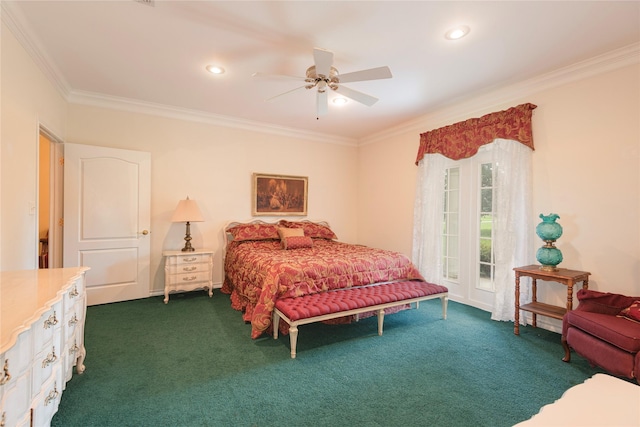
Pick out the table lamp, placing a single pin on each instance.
(187, 211)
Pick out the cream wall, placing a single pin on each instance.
(585, 168)
(586, 164)
(28, 100)
(213, 165)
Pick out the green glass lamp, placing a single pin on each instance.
(549, 230)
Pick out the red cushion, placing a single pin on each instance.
(614, 330)
(603, 302)
(632, 312)
(297, 242)
(339, 300)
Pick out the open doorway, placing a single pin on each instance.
(50, 219)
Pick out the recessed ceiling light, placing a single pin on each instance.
(340, 100)
(215, 69)
(457, 33)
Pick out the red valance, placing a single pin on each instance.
(463, 139)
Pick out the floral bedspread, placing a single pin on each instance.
(257, 273)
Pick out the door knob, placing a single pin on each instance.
(145, 232)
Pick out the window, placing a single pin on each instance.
(486, 256)
(468, 255)
(450, 232)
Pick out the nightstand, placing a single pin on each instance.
(188, 271)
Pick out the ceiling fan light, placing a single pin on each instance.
(215, 69)
(457, 33)
(340, 100)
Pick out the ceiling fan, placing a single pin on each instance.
(323, 76)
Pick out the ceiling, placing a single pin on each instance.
(155, 54)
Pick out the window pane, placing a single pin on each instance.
(454, 178)
(453, 246)
(486, 200)
(485, 271)
(453, 223)
(454, 201)
(485, 250)
(453, 268)
(486, 222)
(486, 175)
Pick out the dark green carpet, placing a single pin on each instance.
(192, 363)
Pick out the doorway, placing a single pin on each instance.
(50, 219)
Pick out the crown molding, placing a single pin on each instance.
(455, 110)
(16, 23)
(478, 103)
(14, 20)
(167, 111)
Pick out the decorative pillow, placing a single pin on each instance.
(311, 229)
(290, 232)
(254, 232)
(632, 312)
(297, 242)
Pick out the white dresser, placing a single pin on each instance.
(41, 340)
(188, 271)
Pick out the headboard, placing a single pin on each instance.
(228, 237)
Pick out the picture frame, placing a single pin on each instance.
(279, 195)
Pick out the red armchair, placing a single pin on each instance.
(595, 331)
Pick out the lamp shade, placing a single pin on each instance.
(187, 211)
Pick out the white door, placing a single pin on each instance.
(106, 220)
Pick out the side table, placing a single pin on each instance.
(561, 275)
(188, 271)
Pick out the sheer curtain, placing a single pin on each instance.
(513, 220)
(428, 215)
(513, 223)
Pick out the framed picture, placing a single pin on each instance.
(279, 195)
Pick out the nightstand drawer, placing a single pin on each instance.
(187, 268)
(184, 278)
(188, 259)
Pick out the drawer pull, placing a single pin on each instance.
(6, 376)
(190, 259)
(53, 395)
(191, 268)
(189, 279)
(74, 348)
(51, 357)
(51, 321)
(74, 293)
(73, 320)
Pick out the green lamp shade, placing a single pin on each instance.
(549, 229)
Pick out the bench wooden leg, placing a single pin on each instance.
(445, 300)
(293, 339)
(276, 323)
(380, 321)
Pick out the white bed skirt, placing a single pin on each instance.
(601, 400)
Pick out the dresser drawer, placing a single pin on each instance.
(188, 259)
(47, 327)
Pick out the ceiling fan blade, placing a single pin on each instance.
(286, 93)
(323, 61)
(362, 98)
(276, 76)
(370, 74)
(322, 104)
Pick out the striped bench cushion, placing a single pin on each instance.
(340, 300)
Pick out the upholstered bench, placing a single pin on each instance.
(352, 301)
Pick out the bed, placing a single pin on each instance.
(264, 262)
(602, 400)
